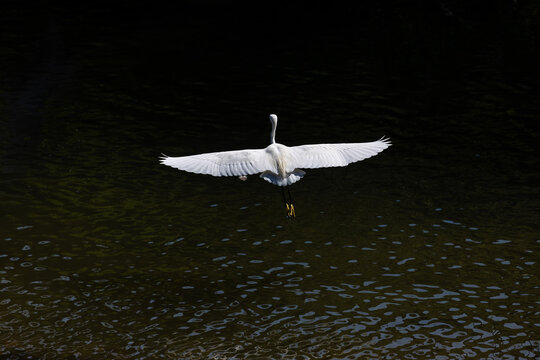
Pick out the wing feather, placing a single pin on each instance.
(332, 155)
(226, 163)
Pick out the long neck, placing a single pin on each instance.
(273, 133)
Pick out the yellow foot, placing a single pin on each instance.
(290, 211)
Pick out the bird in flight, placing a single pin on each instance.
(278, 164)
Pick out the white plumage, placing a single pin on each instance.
(278, 164)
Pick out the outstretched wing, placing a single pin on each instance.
(226, 163)
(331, 155)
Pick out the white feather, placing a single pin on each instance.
(333, 155)
(226, 163)
(278, 164)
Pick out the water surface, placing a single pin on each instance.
(428, 250)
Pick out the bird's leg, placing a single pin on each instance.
(290, 208)
(285, 201)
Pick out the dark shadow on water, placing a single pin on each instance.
(425, 250)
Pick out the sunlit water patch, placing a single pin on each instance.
(396, 291)
(428, 250)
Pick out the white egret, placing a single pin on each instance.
(278, 164)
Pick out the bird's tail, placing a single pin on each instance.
(290, 179)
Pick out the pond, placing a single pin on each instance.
(427, 250)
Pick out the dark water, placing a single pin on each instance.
(428, 250)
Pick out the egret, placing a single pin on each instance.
(278, 164)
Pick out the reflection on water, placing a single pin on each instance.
(428, 250)
(416, 290)
(366, 284)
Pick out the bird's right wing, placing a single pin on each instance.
(226, 163)
(331, 155)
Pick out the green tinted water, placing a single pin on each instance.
(428, 249)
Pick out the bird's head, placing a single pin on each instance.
(273, 118)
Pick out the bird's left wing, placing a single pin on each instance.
(226, 163)
(331, 155)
